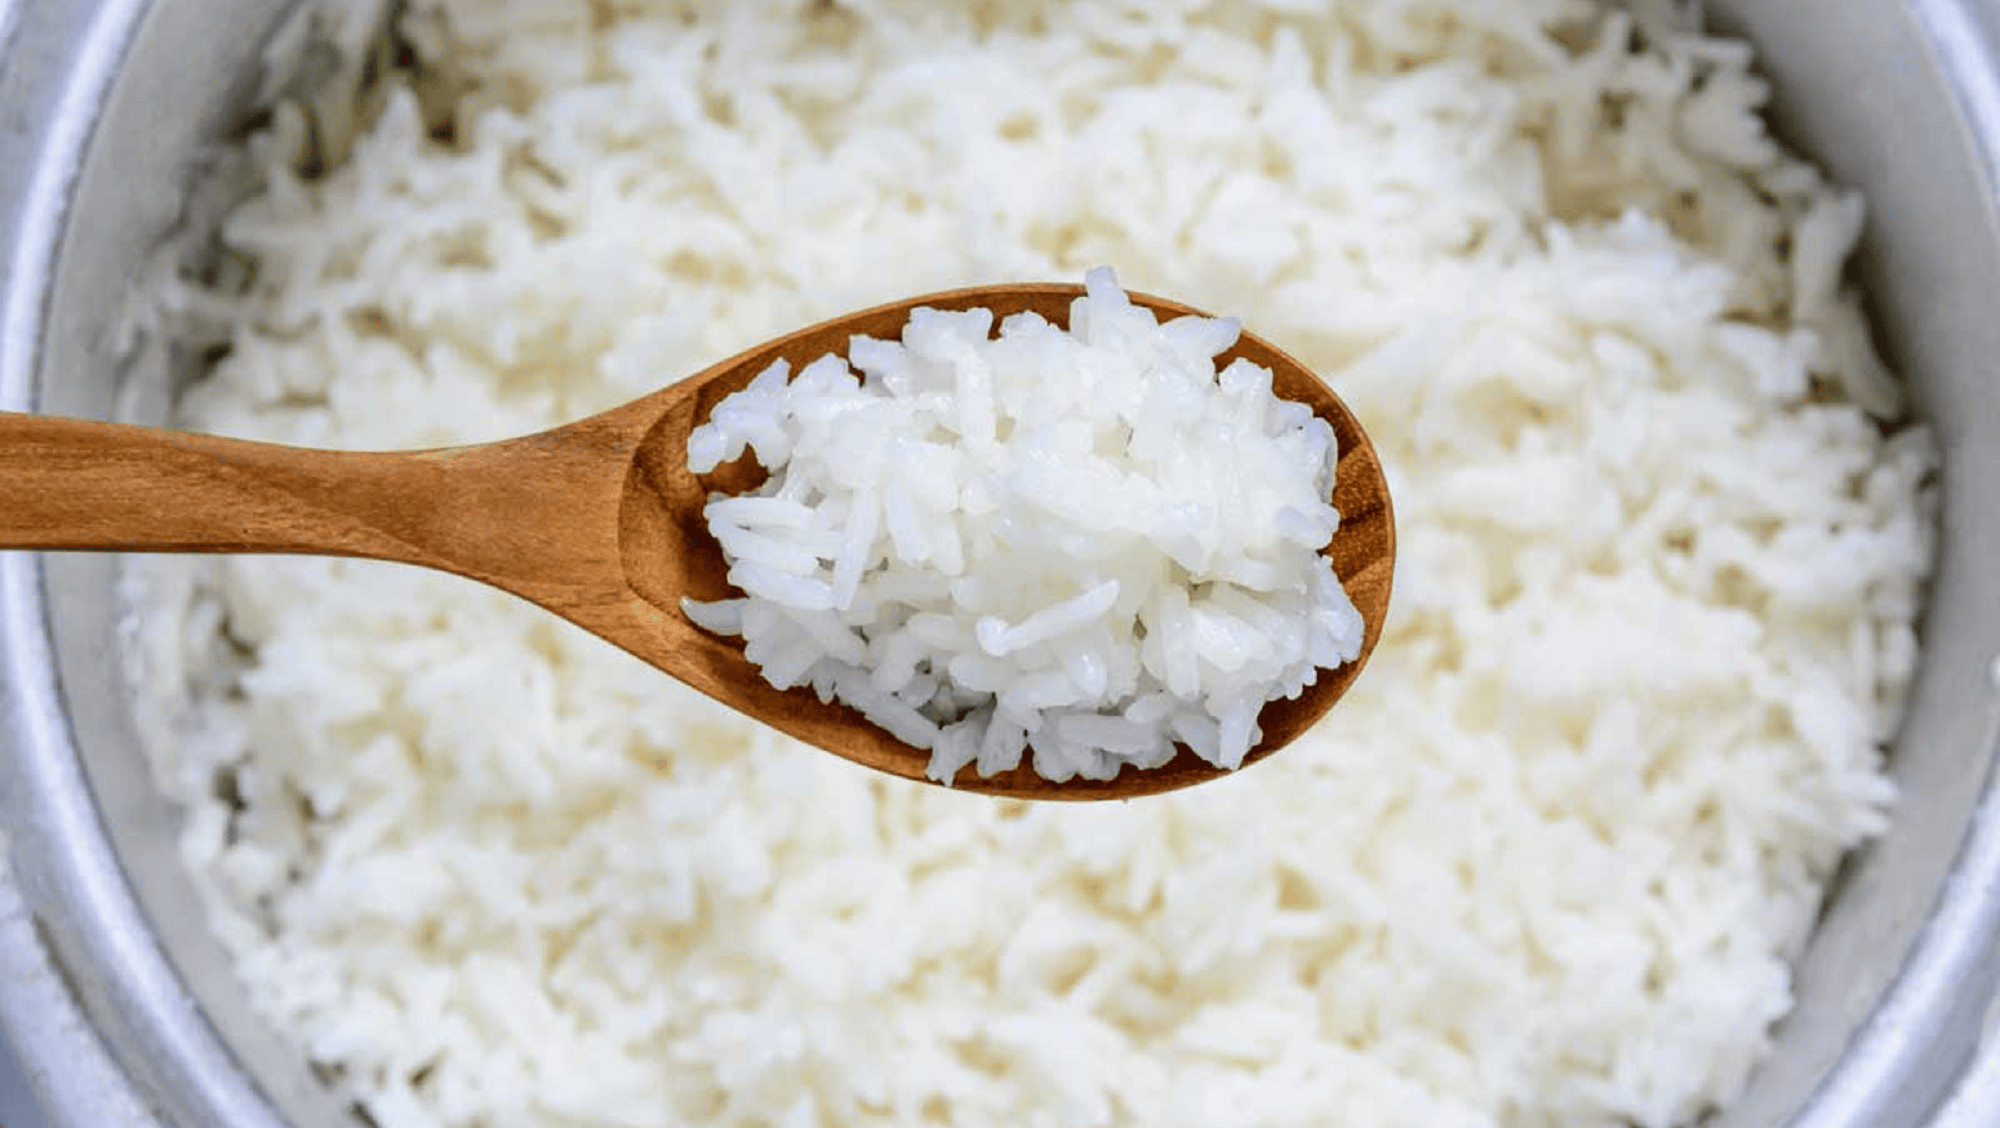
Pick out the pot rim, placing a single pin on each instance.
(96, 991)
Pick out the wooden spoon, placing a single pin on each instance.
(600, 522)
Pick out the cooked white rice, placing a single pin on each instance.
(1083, 540)
(1658, 561)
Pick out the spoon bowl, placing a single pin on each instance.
(600, 522)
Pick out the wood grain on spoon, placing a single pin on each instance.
(600, 521)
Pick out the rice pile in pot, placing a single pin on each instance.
(1661, 551)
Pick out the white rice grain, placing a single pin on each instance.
(1546, 866)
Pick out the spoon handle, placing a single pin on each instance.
(76, 485)
(497, 513)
